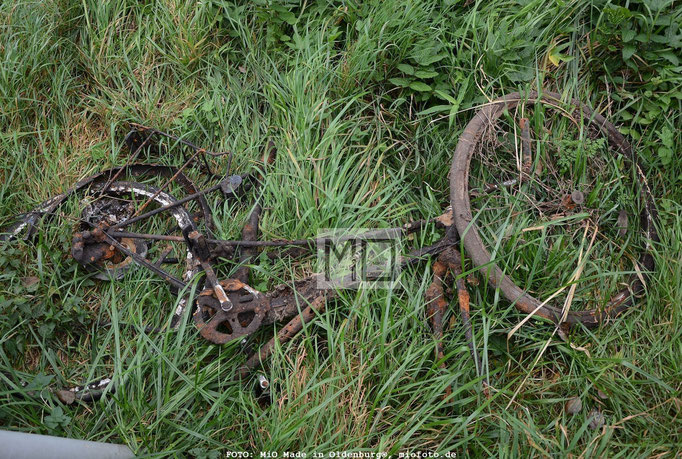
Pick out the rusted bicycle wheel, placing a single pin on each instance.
(555, 184)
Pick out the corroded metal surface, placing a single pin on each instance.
(251, 308)
(229, 309)
(468, 229)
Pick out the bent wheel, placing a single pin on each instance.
(492, 244)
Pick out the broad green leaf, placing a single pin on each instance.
(433, 59)
(207, 106)
(670, 56)
(427, 57)
(406, 68)
(289, 18)
(425, 73)
(666, 155)
(402, 82)
(419, 86)
(628, 51)
(628, 35)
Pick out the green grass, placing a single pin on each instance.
(365, 102)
